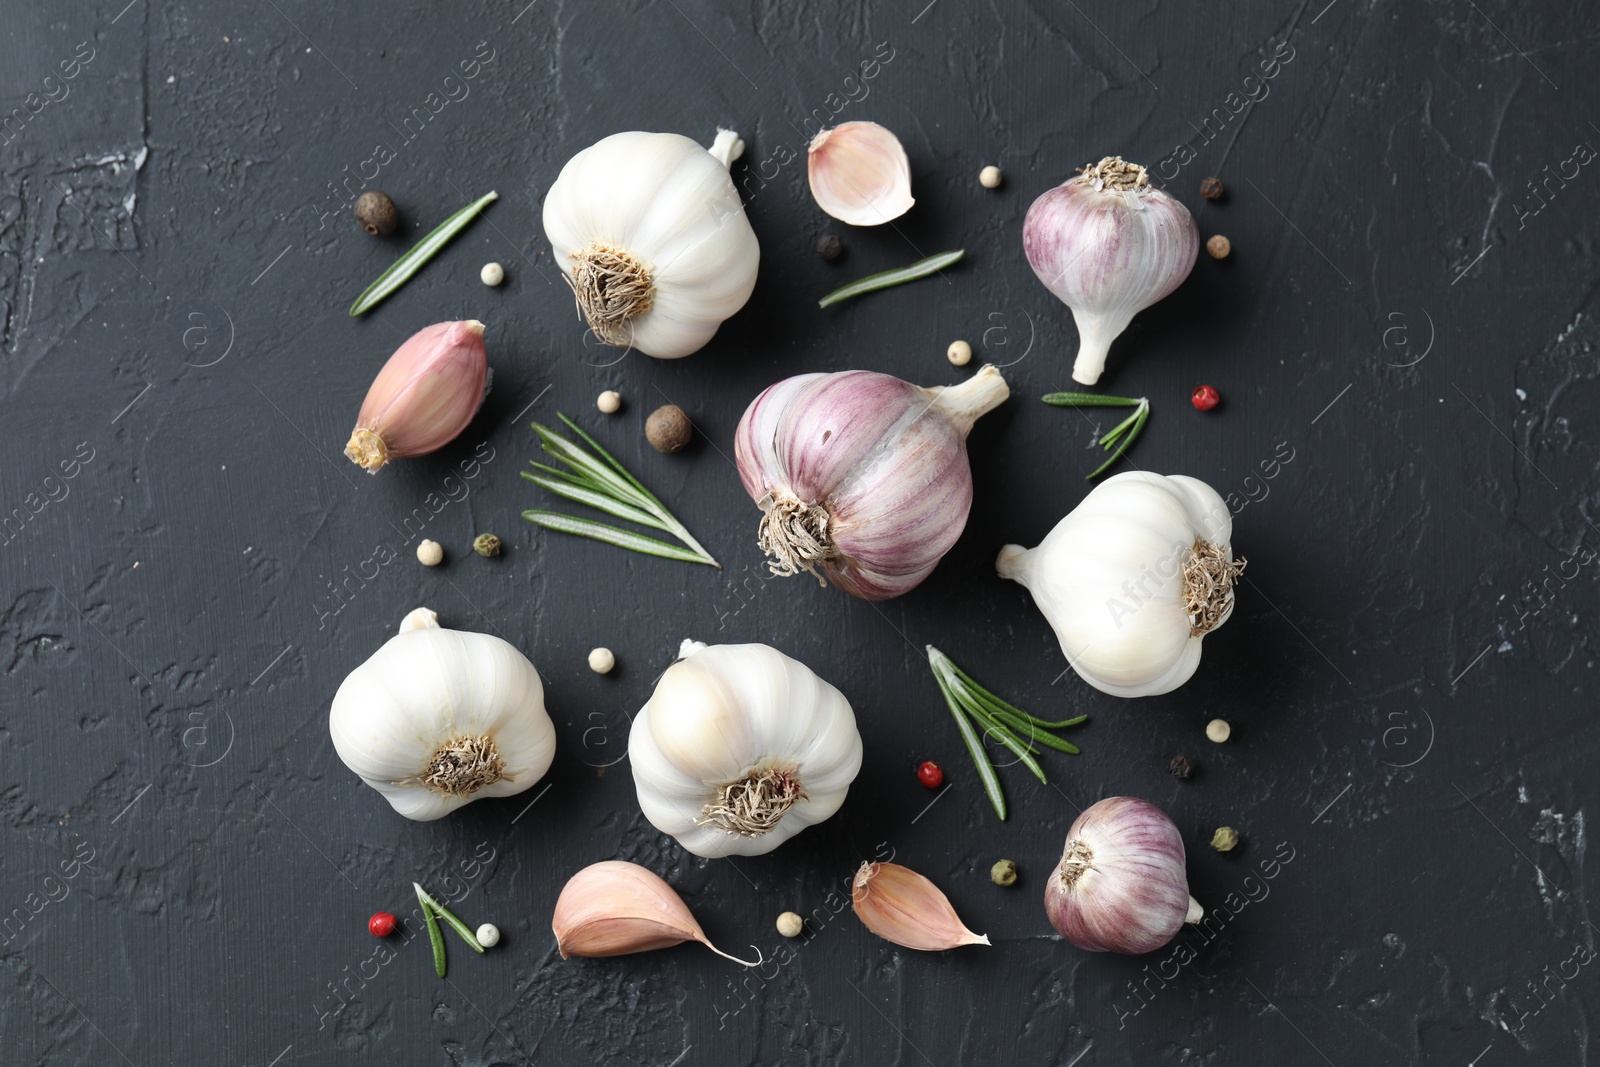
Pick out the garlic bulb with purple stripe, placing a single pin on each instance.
(1108, 244)
(862, 477)
(1121, 884)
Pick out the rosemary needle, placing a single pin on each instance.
(974, 706)
(1121, 436)
(407, 265)
(455, 924)
(434, 936)
(597, 480)
(920, 269)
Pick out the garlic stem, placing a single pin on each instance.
(727, 147)
(1009, 563)
(1094, 344)
(964, 404)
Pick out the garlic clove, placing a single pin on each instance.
(902, 906)
(615, 908)
(424, 396)
(859, 174)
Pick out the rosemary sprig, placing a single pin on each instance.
(407, 265)
(920, 269)
(1126, 432)
(974, 706)
(604, 484)
(434, 936)
(432, 912)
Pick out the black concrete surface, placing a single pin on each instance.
(1404, 337)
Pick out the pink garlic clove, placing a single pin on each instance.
(423, 397)
(616, 908)
(902, 906)
(859, 174)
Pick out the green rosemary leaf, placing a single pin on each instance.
(585, 495)
(1034, 734)
(983, 694)
(1089, 400)
(920, 269)
(609, 458)
(403, 268)
(1005, 722)
(980, 758)
(998, 730)
(1111, 435)
(455, 924)
(559, 474)
(1127, 443)
(613, 536)
(607, 485)
(587, 467)
(434, 936)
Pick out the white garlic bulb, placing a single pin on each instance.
(1132, 580)
(650, 233)
(437, 718)
(740, 748)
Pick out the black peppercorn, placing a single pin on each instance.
(668, 429)
(376, 213)
(830, 246)
(1211, 189)
(1181, 768)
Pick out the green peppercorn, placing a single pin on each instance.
(1226, 839)
(1003, 873)
(486, 545)
(376, 213)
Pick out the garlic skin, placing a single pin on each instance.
(437, 718)
(424, 396)
(1121, 885)
(859, 173)
(649, 231)
(1108, 244)
(1133, 579)
(902, 906)
(740, 748)
(616, 908)
(861, 477)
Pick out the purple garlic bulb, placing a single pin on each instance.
(1108, 244)
(1121, 884)
(862, 477)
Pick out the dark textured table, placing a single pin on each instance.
(189, 567)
